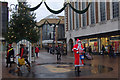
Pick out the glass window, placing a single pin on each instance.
(115, 6)
(93, 42)
(102, 11)
(84, 15)
(92, 10)
(70, 17)
(77, 18)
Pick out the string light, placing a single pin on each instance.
(12, 36)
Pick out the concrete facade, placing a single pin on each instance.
(98, 29)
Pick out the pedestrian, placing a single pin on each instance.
(111, 51)
(103, 50)
(10, 54)
(23, 57)
(58, 52)
(78, 54)
(36, 51)
(90, 50)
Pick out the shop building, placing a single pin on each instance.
(3, 24)
(50, 33)
(100, 25)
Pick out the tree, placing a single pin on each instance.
(22, 25)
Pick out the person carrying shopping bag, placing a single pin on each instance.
(23, 57)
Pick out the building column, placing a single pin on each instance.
(99, 18)
(41, 38)
(56, 35)
(111, 10)
(99, 45)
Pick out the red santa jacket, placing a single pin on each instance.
(75, 48)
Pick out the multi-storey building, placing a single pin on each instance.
(49, 33)
(98, 26)
(3, 22)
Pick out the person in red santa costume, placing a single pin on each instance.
(78, 51)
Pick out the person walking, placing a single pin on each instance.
(111, 51)
(10, 54)
(103, 50)
(36, 51)
(58, 53)
(90, 50)
(23, 56)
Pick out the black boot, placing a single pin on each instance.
(6, 65)
(10, 65)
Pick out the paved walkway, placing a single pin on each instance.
(47, 66)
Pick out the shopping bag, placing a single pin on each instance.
(81, 56)
(11, 59)
(21, 61)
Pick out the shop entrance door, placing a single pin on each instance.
(70, 45)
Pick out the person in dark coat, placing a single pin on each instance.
(10, 54)
(111, 51)
(103, 49)
(90, 50)
(58, 52)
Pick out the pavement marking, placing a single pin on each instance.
(56, 70)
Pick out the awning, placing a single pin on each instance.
(50, 41)
(1, 38)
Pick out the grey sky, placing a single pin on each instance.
(41, 12)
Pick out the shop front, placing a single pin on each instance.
(97, 42)
(93, 42)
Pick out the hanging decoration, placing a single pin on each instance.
(46, 21)
(59, 11)
(79, 11)
(55, 12)
(34, 8)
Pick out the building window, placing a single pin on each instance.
(92, 10)
(102, 11)
(115, 6)
(70, 18)
(77, 18)
(84, 15)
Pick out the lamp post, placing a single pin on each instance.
(53, 26)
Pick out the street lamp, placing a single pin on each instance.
(21, 0)
(53, 26)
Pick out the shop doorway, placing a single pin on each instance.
(70, 45)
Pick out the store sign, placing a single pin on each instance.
(114, 38)
(84, 41)
(95, 43)
(93, 40)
